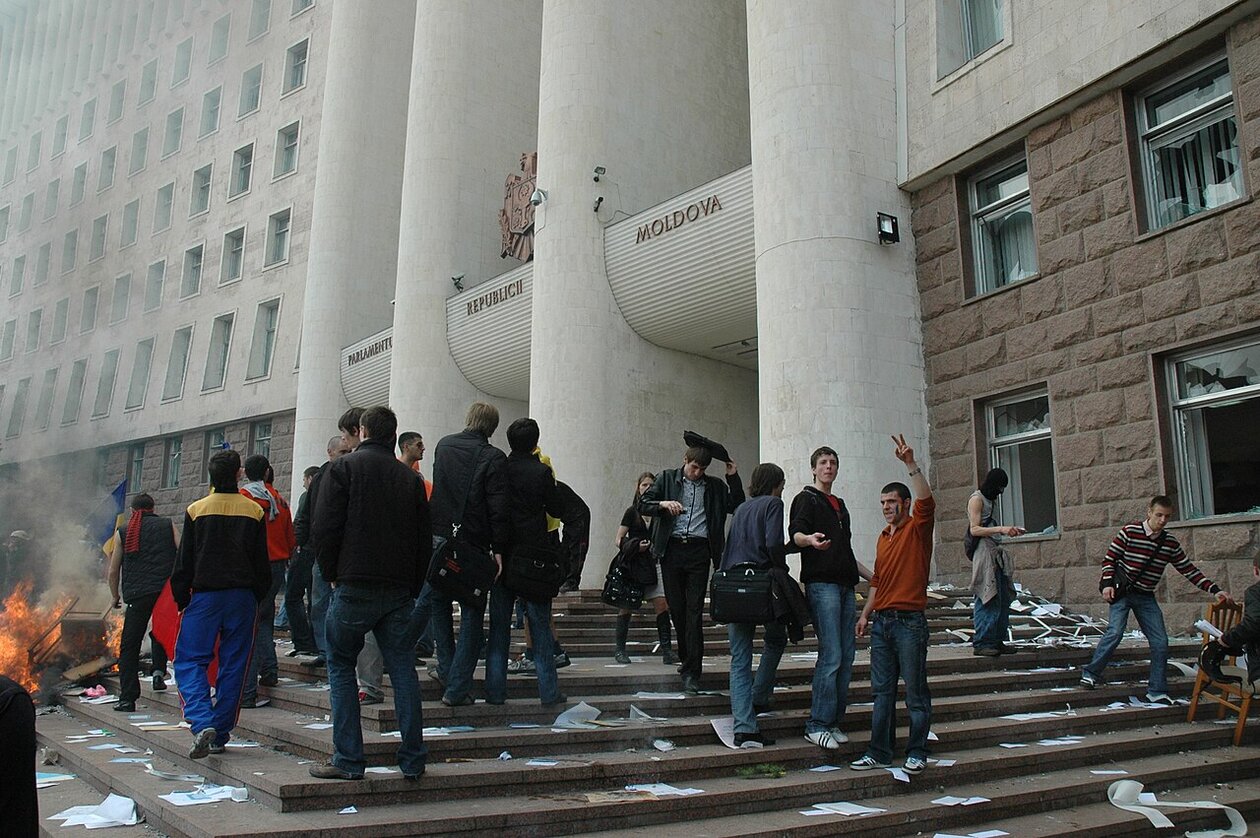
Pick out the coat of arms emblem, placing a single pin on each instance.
(516, 219)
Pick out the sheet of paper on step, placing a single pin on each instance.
(349, 810)
(318, 726)
(1013, 745)
(663, 745)
(638, 715)
(104, 699)
(660, 696)
(988, 833)
(842, 808)
(175, 776)
(942, 763)
(544, 763)
(131, 759)
(380, 769)
(899, 774)
(1108, 771)
(663, 789)
(724, 727)
(577, 717)
(206, 794)
(44, 779)
(114, 810)
(824, 768)
(243, 743)
(951, 800)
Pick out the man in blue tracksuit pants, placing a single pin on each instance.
(221, 574)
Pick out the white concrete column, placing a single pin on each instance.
(841, 359)
(474, 111)
(353, 251)
(655, 92)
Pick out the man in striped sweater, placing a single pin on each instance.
(1130, 571)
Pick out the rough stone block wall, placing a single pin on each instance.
(1107, 297)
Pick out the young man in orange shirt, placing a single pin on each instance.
(895, 614)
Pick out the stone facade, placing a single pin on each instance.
(1089, 327)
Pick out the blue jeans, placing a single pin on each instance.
(835, 617)
(746, 690)
(992, 619)
(384, 610)
(263, 661)
(459, 678)
(442, 626)
(227, 617)
(321, 594)
(539, 616)
(1151, 620)
(296, 585)
(899, 641)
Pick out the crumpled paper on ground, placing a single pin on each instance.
(1128, 795)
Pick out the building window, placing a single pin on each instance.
(87, 121)
(1002, 239)
(177, 364)
(78, 185)
(52, 198)
(27, 212)
(1214, 394)
(87, 317)
(183, 62)
(242, 169)
(43, 408)
(259, 19)
(18, 412)
(148, 83)
(300, 6)
(233, 256)
(171, 460)
(266, 323)
(4, 223)
(130, 222)
(10, 165)
(96, 248)
(34, 150)
(1019, 443)
(139, 151)
(174, 132)
(138, 387)
(105, 177)
(286, 150)
(211, 104)
(219, 39)
(162, 210)
(43, 263)
(260, 438)
(69, 251)
(61, 317)
(8, 336)
(199, 202)
(34, 324)
(295, 66)
(105, 384)
(17, 278)
(135, 467)
(153, 284)
(117, 97)
(1188, 139)
(60, 132)
(216, 441)
(74, 393)
(251, 90)
(964, 29)
(220, 347)
(121, 300)
(190, 282)
(278, 238)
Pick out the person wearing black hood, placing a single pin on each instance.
(992, 570)
(19, 804)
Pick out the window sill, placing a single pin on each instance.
(280, 264)
(135, 172)
(301, 12)
(996, 291)
(1215, 520)
(248, 114)
(218, 388)
(181, 82)
(948, 79)
(1186, 222)
(135, 409)
(224, 283)
(167, 154)
(199, 213)
(157, 230)
(258, 379)
(284, 175)
(209, 133)
(171, 399)
(1032, 537)
(285, 94)
(232, 198)
(127, 246)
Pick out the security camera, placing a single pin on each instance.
(538, 197)
(599, 170)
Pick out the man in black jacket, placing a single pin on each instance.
(320, 591)
(689, 513)
(469, 491)
(297, 584)
(372, 534)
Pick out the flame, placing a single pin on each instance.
(113, 633)
(21, 625)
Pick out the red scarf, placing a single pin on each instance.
(132, 543)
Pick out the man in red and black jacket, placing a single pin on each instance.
(281, 545)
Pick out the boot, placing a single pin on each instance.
(663, 632)
(623, 629)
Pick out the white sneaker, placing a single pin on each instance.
(914, 765)
(866, 763)
(839, 736)
(824, 739)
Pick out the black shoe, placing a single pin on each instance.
(424, 650)
(763, 708)
(254, 703)
(201, 743)
(568, 587)
(269, 680)
(562, 660)
(986, 651)
(621, 656)
(691, 685)
(559, 699)
(315, 663)
(413, 778)
(462, 702)
(332, 772)
(218, 749)
(668, 657)
(125, 707)
(752, 740)
(159, 682)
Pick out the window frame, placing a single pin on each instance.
(252, 373)
(977, 216)
(286, 82)
(130, 405)
(993, 442)
(172, 461)
(147, 82)
(47, 395)
(167, 150)
(95, 308)
(148, 284)
(191, 328)
(113, 299)
(230, 317)
(74, 395)
(241, 112)
(97, 412)
(139, 159)
(224, 261)
(269, 259)
(193, 210)
(234, 173)
(176, 79)
(170, 213)
(200, 248)
(282, 148)
(17, 413)
(202, 130)
(129, 224)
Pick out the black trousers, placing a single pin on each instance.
(297, 586)
(135, 623)
(685, 569)
(19, 805)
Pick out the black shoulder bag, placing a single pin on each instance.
(1120, 579)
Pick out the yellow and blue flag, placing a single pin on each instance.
(108, 516)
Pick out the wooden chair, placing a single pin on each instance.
(1236, 697)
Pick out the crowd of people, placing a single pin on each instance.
(359, 549)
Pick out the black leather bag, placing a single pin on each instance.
(639, 566)
(534, 572)
(461, 571)
(619, 590)
(741, 594)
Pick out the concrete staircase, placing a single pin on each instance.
(1037, 789)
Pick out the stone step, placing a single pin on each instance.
(76, 792)
(1069, 793)
(571, 797)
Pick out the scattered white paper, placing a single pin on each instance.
(950, 800)
(988, 833)
(663, 789)
(104, 699)
(380, 769)
(822, 768)
(349, 810)
(640, 716)
(179, 778)
(932, 737)
(131, 759)
(1128, 795)
(318, 726)
(942, 763)
(546, 763)
(577, 717)
(899, 774)
(243, 743)
(661, 696)
(523, 725)
(108, 746)
(663, 745)
(114, 810)
(842, 808)
(1109, 771)
(1013, 745)
(724, 727)
(206, 794)
(504, 756)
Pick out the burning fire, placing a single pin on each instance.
(21, 626)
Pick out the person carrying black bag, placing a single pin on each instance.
(641, 567)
